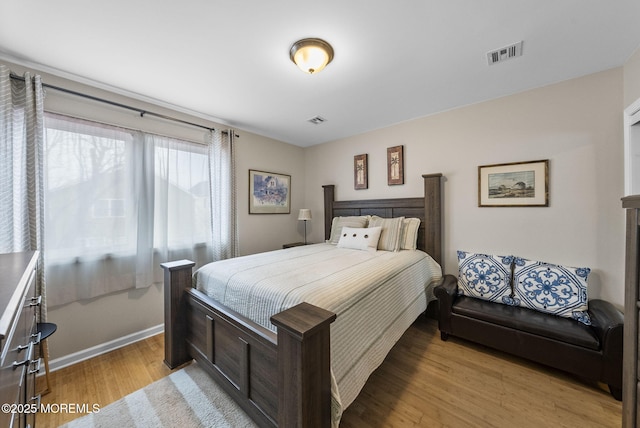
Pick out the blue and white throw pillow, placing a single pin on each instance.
(485, 276)
(558, 290)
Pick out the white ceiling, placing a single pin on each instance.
(394, 60)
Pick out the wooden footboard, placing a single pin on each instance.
(279, 380)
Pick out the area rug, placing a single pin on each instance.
(187, 397)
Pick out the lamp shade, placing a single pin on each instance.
(304, 214)
(311, 55)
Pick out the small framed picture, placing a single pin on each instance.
(517, 184)
(360, 172)
(395, 165)
(269, 193)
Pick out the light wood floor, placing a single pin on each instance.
(424, 382)
(103, 379)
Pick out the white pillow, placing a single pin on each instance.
(351, 221)
(360, 238)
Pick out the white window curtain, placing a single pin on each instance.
(120, 202)
(91, 225)
(21, 167)
(181, 208)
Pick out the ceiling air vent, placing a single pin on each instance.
(317, 120)
(503, 54)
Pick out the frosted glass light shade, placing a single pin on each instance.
(311, 55)
(304, 214)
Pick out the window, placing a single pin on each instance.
(181, 193)
(87, 166)
(108, 208)
(118, 202)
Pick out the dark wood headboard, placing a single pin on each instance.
(428, 209)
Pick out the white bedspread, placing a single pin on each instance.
(376, 296)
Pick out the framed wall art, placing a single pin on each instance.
(360, 172)
(269, 193)
(395, 165)
(517, 184)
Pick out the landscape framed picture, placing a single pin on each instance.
(517, 184)
(395, 165)
(269, 193)
(360, 172)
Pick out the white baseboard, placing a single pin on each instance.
(103, 348)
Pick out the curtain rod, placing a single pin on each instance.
(142, 112)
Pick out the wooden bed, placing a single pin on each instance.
(279, 379)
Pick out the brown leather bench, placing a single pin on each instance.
(592, 352)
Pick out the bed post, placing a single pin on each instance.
(329, 197)
(177, 278)
(433, 216)
(304, 366)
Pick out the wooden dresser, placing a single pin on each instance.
(630, 373)
(19, 342)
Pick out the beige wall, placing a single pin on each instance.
(264, 232)
(632, 79)
(576, 124)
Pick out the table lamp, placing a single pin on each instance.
(305, 214)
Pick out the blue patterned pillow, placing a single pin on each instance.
(555, 289)
(485, 276)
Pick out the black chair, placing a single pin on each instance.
(46, 329)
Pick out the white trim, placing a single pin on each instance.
(103, 348)
(630, 115)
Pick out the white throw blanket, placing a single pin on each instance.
(376, 296)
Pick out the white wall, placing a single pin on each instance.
(576, 124)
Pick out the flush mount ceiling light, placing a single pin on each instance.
(311, 55)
